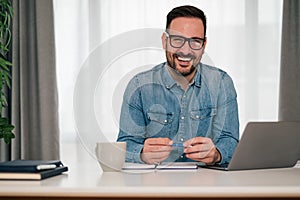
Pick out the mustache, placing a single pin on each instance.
(180, 54)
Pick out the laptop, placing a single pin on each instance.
(266, 145)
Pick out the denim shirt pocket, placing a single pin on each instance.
(202, 120)
(160, 124)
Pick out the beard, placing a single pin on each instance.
(172, 63)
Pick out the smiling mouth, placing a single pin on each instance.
(184, 58)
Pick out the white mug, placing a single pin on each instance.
(111, 155)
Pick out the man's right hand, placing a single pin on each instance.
(156, 150)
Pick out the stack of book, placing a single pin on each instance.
(31, 169)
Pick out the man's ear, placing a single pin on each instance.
(164, 40)
(205, 42)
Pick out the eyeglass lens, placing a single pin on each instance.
(179, 41)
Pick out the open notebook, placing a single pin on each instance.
(161, 166)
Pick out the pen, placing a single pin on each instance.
(46, 166)
(179, 145)
(156, 164)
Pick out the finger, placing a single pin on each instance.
(207, 160)
(152, 158)
(155, 161)
(208, 157)
(201, 156)
(196, 140)
(158, 141)
(156, 155)
(206, 153)
(158, 148)
(199, 148)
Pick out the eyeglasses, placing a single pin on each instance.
(178, 41)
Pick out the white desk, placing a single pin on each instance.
(86, 180)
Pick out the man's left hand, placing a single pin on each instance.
(202, 149)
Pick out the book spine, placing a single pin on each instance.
(53, 172)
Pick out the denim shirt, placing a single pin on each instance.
(155, 106)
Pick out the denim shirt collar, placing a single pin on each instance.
(169, 82)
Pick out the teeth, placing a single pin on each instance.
(184, 59)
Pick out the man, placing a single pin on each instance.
(181, 110)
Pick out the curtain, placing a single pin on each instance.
(289, 106)
(34, 87)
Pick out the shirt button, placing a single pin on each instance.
(165, 121)
(181, 139)
(197, 116)
(182, 117)
(181, 156)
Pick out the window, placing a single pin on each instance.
(243, 39)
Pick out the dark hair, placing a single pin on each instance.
(186, 11)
